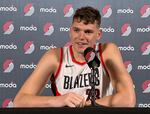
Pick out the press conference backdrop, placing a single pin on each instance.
(28, 28)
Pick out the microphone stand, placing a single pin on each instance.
(92, 84)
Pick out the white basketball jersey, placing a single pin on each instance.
(73, 76)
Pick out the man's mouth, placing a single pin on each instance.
(81, 43)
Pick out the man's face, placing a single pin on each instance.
(83, 35)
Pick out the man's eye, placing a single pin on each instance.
(88, 32)
(76, 30)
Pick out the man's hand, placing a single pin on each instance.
(71, 100)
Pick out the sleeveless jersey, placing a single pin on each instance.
(73, 76)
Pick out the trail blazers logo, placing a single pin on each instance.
(146, 86)
(68, 10)
(145, 48)
(29, 47)
(8, 66)
(145, 11)
(128, 66)
(8, 27)
(126, 29)
(107, 11)
(29, 10)
(48, 29)
(7, 103)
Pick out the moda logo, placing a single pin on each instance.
(107, 11)
(7, 103)
(68, 10)
(145, 11)
(146, 86)
(143, 67)
(109, 29)
(52, 46)
(124, 11)
(145, 48)
(8, 27)
(11, 8)
(126, 48)
(64, 29)
(28, 28)
(8, 47)
(8, 66)
(128, 66)
(126, 29)
(8, 85)
(28, 66)
(29, 10)
(48, 86)
(143, 29)
(144, 105)
(48, 29)
(29, 47)
(48, 10)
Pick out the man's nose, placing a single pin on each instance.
(82, 35)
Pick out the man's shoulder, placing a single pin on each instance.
(109, 50)
(109, 46)
(53, 53)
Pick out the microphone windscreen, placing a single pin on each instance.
(89, 54)
(91, 58)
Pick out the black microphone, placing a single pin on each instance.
(91, 58)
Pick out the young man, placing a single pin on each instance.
(67, 69)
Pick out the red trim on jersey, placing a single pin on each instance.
(57, 72)
(101, 57)
(54, 88)
(57, 93)
(73, 59)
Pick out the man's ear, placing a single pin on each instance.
(99, 34)
(70, 32)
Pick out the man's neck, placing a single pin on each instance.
(78, 56)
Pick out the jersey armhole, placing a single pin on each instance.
(101, 58)
(53, 79)
(60, 63)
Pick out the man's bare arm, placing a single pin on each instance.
(120, 78)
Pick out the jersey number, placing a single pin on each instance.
(97, 94)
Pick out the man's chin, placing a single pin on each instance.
(81, 51)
